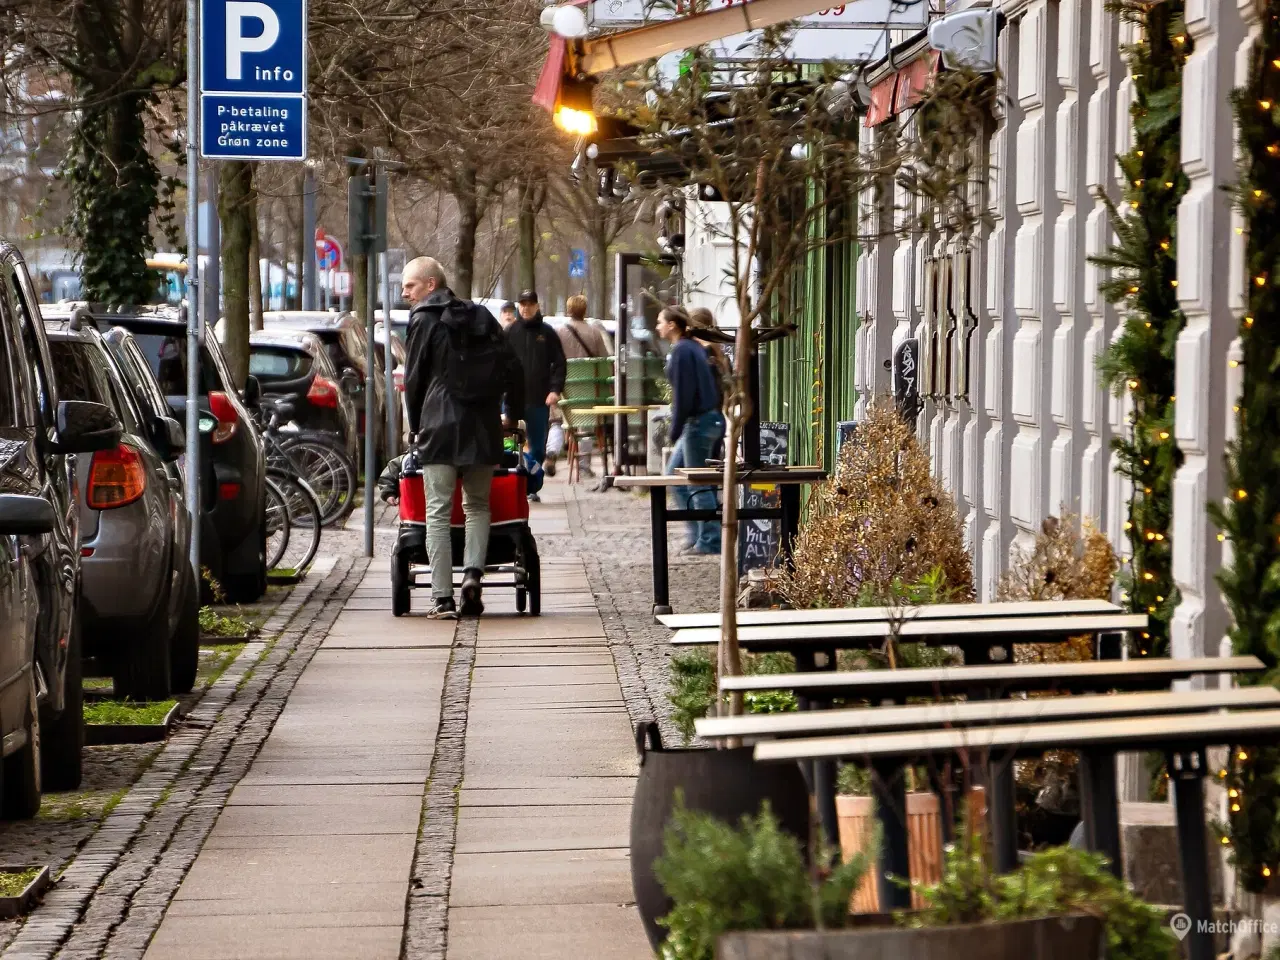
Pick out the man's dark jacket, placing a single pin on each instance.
(449, 431)
(541, 356)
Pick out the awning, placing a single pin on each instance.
(903, 88)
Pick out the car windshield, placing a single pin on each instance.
(167, 355)
(278, 363)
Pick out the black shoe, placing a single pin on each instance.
(534, 498)
(443, 609)
(471, 605)
(549, 468)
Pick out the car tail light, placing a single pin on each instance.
(221, 407)
(116, 477)
(323, 393)
(228, 491)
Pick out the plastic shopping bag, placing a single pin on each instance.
(555, 440)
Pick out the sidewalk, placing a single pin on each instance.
(326, 847)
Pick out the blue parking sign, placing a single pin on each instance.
(577, 263)
(253, 79)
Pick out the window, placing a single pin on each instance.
(144, 381)
(278, 363)
(35, 347)
(166, 355)
(8, 392)
(82, 374)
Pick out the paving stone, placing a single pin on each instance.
(211, 938)
(525, 829)
(548, 932)
(543, 877)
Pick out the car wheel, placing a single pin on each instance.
(62, 735)
(21, 795)
(142, 663)
(184, 645)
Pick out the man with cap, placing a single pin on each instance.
(542, 357)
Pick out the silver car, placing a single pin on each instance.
(140, 598)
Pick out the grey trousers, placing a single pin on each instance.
(440, 480)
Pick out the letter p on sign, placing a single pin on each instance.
(238, 44)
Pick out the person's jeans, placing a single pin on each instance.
(440, 480)
(692, 450)
(537, 421)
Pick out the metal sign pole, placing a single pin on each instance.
(193, 280)
(393, 421)
(371, 390)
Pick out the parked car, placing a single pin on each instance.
(40, 438)
(233, 532)
(397, 375)
(294, 366)
(343, 336)
(140, 600)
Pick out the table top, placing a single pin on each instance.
(714, 476)
(970, 713)
(936, 681)
(1130, 733)
(928, 611)
(953, 631)
(605, 411)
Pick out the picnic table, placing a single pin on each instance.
(1184, 738)
(789, 480)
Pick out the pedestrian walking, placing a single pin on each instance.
(702, 318)
(696, 423)
(542, 359)
(507, 315)
(461, 380)
(580, 340)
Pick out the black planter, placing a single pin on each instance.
(727, 784)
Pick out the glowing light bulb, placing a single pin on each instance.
(1164, 434)
(1241, 494)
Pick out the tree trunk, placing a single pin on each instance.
(256, 292)
(234, 189)
(528, 234)
(738, 412)
(598, 278)
(464, 254)
(301, 244)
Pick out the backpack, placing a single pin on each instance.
(477, 370)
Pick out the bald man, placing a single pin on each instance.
(459, 373)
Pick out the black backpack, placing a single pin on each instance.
(478, 370)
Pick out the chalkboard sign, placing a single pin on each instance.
(906, 379)
(759, 541)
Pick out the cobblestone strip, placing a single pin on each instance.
(427, 928)
(639, 645)
(123, 851)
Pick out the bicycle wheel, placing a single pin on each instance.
(277, 525)
(329, 473)
(304, 522)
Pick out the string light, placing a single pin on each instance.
(1266, 871)
(1260, 279)
(1148, 576)
(1164, 244)
(1248, 321)
(1265, 104)
(1235, 808)
(1133, 384)
(1233, 363)
(1226, 841)
(1164, 434)
(1258, 194)
(1242, 755)
(1173, 283)
(1241, 494)
(1222, 537)
(1273, 148)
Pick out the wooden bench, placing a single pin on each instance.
(928, 611)
(1183, 737)
(788, 479)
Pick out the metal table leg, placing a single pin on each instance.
(658, 523)
(1100, 806)
(1002, 802)
(1186, 773)
(820, 774)
(889, 787)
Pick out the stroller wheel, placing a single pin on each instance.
(399, 585)
(522, 599)
(533, 573)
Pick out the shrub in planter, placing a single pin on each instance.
(751, 878)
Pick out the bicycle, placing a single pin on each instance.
(326, 468)
(294, 517)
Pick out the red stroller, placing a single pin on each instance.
(512, 549)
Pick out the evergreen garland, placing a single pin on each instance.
(1251, 516)
(1143, 277)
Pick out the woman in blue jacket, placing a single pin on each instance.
(696, 422)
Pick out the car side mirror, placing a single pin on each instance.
(168, 437)
(351, 381)
(85, 427)
(23, 515)
(252, 391)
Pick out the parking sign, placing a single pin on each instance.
(253, 79)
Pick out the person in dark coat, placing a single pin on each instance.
(456, 415)
(542, 358)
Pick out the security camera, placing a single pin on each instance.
(966, 39)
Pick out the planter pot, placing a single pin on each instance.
(21, 903)
(102, 734)
(1075, 937)
(727, 784)
(924, 841)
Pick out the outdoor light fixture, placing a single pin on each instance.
(569, 22)
(967, 39)
(574, 111)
